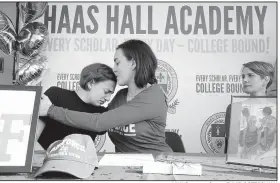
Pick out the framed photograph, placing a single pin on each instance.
(19, 107)
(1, 64)
(253, 131)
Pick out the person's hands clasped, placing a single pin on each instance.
(44, 105)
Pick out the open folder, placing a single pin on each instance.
(126, 159)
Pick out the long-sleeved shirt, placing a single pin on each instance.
(134, 126)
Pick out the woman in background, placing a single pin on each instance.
(136, 119)
(257, 76)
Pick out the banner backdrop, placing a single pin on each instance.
(200, 47)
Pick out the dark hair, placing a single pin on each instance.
(146, 61)
(96, 72)
(267, 110)
(262, 69)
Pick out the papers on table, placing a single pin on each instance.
(158, 167)
(186, 169)
(126, 159)
(178, 168)
(149, 165)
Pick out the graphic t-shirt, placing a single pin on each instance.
(142, 136)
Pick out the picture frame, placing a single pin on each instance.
(19, 110)
(1, 64)
(253, 131)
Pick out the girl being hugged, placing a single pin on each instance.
(136, 119)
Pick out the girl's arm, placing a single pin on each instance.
(40, 127)
(143, 107)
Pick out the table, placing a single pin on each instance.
(213, 168)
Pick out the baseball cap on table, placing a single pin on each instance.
(74, 155)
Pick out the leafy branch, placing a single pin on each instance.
(174, 104)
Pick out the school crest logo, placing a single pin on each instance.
(167, 79)
(99, 142)
(212, 134)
